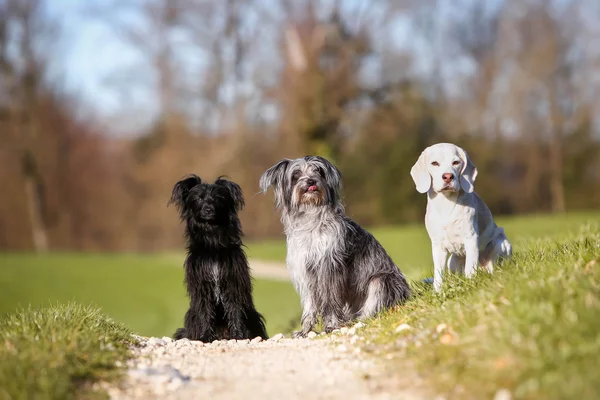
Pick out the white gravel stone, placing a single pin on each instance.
(342, 348)
(402, 328)
(257, 339)
(312, 335)
(277, 337)
(503, 394)
(343, 330)
(359, 325)
(156, 342)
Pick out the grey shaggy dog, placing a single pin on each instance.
(340, 271)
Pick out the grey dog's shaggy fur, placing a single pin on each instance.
(340, 271)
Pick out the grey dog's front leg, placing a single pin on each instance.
(333, 301)
(309, 316)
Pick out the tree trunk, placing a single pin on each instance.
(34, 206)
(557, 190)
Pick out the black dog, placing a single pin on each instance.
(216, 269)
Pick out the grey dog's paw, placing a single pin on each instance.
(299, 334)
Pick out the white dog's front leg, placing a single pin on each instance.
(471, 256)
(439, 263)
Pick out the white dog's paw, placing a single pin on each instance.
(470, 271)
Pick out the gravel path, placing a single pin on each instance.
(269, 270)
(320, 367)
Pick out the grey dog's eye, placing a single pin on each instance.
(296, 176)
(456, 163)
(435, 164)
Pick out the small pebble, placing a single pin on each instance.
(342, 348)
(343, 330)
(312, 335)
(359, 325)
(402, 328)
(440, 328)
(156, 342)
(167, 339)
(351, 331)
(277, 337)
(503, 394)
(257, 339)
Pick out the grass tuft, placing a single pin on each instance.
(532, 327)
(56, 352)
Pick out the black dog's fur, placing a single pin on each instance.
(216, 269)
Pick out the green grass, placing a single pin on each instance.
(533, 327)
(57, 352)
(145, 292)
(410, 248)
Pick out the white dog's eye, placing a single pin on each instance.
(435, 164)
(456, 163)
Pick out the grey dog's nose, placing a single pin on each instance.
(448, 177)
(310, 182)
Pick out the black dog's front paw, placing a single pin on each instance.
(180, 333)
(239, 334)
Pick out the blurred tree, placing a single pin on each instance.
(24, 67)
(320, 79)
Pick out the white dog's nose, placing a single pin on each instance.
(448, 177)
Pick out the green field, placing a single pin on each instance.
(145, 292)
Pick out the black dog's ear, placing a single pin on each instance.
(274, 175)
(182, 189)
(235, 190)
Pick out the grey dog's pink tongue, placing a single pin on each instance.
(312, 188)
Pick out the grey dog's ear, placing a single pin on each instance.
(468, 173)
(274, 176)
(420, 174)
(333, 176)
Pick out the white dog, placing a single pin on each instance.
(458, 222)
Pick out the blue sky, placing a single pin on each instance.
(90, 52)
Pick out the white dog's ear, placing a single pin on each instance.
(468, 173)
(420, 174)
